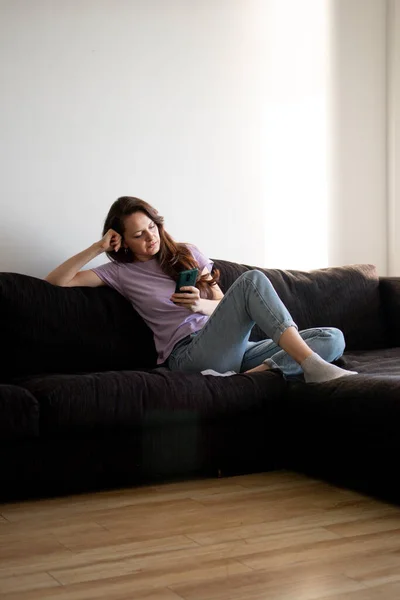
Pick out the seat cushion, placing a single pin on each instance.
(344, 297)
(368, 401)
(19, 414)
(381, 364)
(348, 428)
(125, 400)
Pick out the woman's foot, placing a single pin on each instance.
(317, 370)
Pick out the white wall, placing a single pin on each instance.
(295, 140)
(170, 100)
(153, 98)
(358, 211)
(393, 46)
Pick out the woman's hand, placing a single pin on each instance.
(110, 241)
(188, 297)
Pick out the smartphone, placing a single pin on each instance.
(186, 278)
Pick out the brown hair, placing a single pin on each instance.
(173, 257)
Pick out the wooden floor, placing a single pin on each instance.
(266, 536)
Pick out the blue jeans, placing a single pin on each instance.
(223, 343)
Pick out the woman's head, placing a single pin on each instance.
(139, 225)
(144, 237)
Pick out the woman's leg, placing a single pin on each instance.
(327, 342)
(222, 342)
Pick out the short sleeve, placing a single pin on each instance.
(109, 273)
(200, 258)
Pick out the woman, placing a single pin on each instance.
(199, 328)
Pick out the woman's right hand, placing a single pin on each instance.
(111, 241)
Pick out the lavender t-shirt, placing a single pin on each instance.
(149, 290)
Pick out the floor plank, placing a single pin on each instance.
(268, 535)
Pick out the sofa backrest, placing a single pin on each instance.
(344, 297)
(50, 329)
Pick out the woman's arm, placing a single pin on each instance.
(67, 275)
(216, 290)
(191, 299)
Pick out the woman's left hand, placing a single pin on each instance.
(188, 297)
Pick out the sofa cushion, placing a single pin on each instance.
(122, 401)
(366, 402)
(344, 297)
(383, 363)
(47, 329)
(348, 429)
(19, 414)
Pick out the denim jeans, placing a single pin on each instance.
(223, 343)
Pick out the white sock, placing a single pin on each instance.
(317, 370)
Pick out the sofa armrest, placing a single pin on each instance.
(390, 303)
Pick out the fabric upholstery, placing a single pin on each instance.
(19, 414)
(125, 400)
(50, 329)
(88, 409)
(390, 294)
(347, 430)
(344, 297)
(117, 429)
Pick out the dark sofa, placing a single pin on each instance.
(83, 406)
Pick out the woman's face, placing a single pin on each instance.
(141, 236)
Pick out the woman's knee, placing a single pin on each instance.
(337, 341)
(255, 276)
